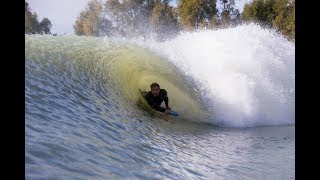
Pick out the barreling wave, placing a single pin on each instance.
(239, 77)
(108, 71)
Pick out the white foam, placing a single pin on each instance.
(249, 73)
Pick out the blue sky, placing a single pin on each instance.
(63, 13)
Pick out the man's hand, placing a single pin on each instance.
(167, 110)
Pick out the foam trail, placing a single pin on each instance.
(247, 73)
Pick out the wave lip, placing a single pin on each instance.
(247, 73)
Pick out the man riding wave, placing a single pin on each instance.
(156, 96)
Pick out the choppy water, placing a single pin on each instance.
(233, 89)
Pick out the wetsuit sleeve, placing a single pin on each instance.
(147, 97)
(166, 99)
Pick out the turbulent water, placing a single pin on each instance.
(233, 88)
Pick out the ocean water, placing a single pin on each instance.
(233, 88)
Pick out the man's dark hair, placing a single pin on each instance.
(154, 84)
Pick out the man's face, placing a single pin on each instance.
(155, 91)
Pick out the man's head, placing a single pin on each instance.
(155, 89)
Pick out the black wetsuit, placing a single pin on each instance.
(155, 102)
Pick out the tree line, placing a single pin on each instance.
(129, 18)
(278, 14)
(32, 24)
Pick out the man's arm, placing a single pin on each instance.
(166, 99)
(147, 97)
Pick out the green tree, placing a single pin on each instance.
(285, 17)
(92, 21)
(163, 21)
(114, 11)
(225, 14)
(196, 13)
(78, 27)
(32, 25)
(247, 13)
(260, 11)
(131, 17)
(279, 14)
(31, 21)
(45, 26)
(229, 15)
(214, 22)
